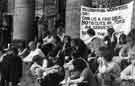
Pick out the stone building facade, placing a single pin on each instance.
(71, 12)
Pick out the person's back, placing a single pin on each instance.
(13, 67)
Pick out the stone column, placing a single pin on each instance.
(23, 19)
(11, 5)
(73, 16)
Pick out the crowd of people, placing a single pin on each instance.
(59, 60)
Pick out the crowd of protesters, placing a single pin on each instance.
(59, 60)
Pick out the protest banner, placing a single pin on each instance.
(100, 19)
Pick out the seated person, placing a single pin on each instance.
(23, 51)
(36, 68)
(129, 72)
(124, 52)
(80, 74)
(53, 74)
(108, 71)
(48, 38)
(34, 51)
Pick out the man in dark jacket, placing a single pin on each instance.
(11, 67)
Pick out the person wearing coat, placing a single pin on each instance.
(11, 67)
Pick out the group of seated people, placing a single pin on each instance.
(71, 62)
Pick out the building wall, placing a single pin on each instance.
(23, 20)
(73, 16)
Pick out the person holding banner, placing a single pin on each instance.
(91, 33)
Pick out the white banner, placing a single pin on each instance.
(100, 19)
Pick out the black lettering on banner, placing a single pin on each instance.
(85, 13)
(101, 33)
(103, 23)
(92, 23)
(97, 23)
(99, 19)
(85, 18)
(109, 22)
(106, 18)
(87, 27)
(84, 22)
(94, 19)
(100, 27)
(118, 19)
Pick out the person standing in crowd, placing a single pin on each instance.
(126, 49)
(108, 71)
(91, 33)
(121, 43)
(129, 46)
(66, 42)
(11, 68)
(34, 51)
(60, 32)
(57, 46)
(80, 46)
(111, 39)
(66, 49)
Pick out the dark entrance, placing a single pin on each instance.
(6, 31)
